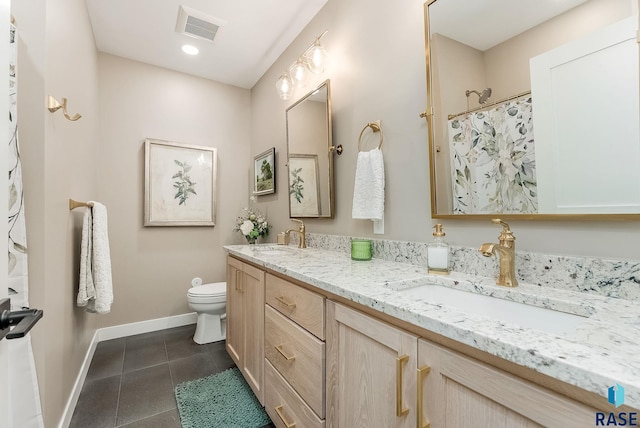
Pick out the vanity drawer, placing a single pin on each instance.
(299, 304)
(298, 356)
(284, 406)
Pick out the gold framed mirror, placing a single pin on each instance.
(533, 109)
(310, 155)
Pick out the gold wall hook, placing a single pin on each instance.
(54, 105)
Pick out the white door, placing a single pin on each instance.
(5, 416)
(565, 186)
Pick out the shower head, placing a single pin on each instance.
(483, 96)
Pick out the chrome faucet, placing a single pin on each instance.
(302, 241)
(506, 250)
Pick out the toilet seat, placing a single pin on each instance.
(215, 292)
(214, 289)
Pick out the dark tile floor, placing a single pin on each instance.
(130, 380)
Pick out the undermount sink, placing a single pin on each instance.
(521, 314)
(275, 250)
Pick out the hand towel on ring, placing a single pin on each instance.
(368, 189)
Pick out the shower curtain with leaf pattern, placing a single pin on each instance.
(493, 160)
(25, 396)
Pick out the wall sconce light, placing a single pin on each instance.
(313, 59)
(284, 86)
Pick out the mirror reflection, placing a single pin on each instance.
(533, 107)
(310, 156)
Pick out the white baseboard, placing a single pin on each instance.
(125, 330)
(117, 332)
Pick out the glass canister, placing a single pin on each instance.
(360, 249)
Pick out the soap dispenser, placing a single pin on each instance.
(438, 253)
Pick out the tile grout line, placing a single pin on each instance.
(124, 353)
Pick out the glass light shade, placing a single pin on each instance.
(299, 71)
(284, 86)
(317, 58)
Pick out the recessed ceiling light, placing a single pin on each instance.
(190, 49)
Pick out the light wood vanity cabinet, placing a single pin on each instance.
(381, 376)
(369, 373)
(295, 355)
(245, 322)
(461, 392)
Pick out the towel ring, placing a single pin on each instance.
(375, 127)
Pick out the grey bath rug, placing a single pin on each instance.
(223, 400)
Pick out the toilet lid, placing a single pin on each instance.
(212, 289)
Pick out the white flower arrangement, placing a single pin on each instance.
(252, 225)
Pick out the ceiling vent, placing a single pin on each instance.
(197, 24)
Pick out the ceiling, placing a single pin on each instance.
(484, 24)
(253, 35)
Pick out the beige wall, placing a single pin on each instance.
(153, 266)
(100, 157)
(377, 72)
(59, 163)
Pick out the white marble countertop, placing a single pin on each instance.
(602, 351)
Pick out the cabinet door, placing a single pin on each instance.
(253, 322)
(245, 321)
(461, 392)
(235, 312)
(370, 371)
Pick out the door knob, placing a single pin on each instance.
(23, 320)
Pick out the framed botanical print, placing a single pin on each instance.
(304, 190)
(180, 184)
(264, 172)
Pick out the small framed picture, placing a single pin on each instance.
(264, 172)
(304, 190)
(179, 185)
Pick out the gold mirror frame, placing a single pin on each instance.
(324, 194)
(428, 114)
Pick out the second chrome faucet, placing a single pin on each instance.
(506, 253)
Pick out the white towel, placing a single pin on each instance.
(368, 189)
(95, 292)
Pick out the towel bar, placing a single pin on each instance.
(75, 204)
(375, 127)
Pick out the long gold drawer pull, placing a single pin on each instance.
(284, 302)
(422, 373)
(238, 284)
(278, 410)
(287, 357)
(400, 409)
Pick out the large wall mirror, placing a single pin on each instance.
(533, 108)
(310, 155)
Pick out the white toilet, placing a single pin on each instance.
(209, 301)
